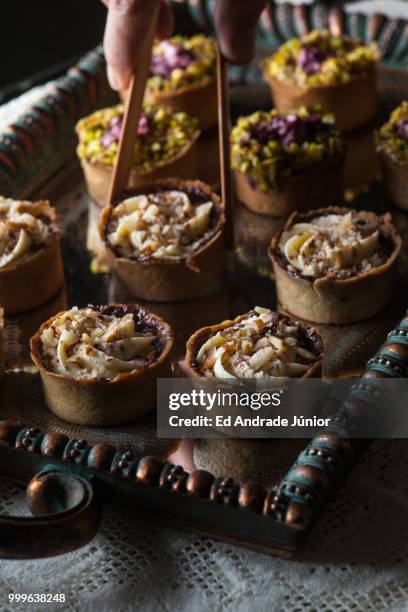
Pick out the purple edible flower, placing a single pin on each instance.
(112, 133)
(289, 129)
(169, 57)
(402, 129)
(311, 58)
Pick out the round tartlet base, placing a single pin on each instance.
(331, 300)
(353, 104)
(196, 100)
(395, 180)
(321, 185)
(29, 284)
(98, 175)
(99, 402)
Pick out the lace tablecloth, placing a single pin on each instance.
(355, 558)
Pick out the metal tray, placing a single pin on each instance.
(85, 467)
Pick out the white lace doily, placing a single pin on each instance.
(355, 558)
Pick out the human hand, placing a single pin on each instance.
(128, 21)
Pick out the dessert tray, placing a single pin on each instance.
(71, 471)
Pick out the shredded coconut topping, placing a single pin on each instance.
(338, 244)
(25, 227)
(165, 225)
(259, 346)
(84, 343)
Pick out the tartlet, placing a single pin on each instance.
(335, 71)
(166, 147)
(258, 344)
(165, 241)
(392, 149)
(183, 77)
(287, 162)
(335, 265)
(31, 269)
(99, 364)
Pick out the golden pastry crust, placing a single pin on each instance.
(308, 338)
(99, 401)
(353, 103)
(98, 175)
(392, 149)
(199, 100)
(29, 282)
(161, 280)
(336, 299)
(312, 188)
(395, 180)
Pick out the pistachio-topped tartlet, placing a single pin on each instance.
(183, 77)
(335, 265)
(31, 270)
(335, 71)
(258, 344)
(99, 364)
(165, 241)
(392, 148)
(165, 147)
(287, 162)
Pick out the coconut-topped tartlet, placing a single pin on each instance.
(165, 241)
(258, 344)
(287, 162)
(166, 146)
(335, 71)
(263, 345)
(392, 148)
(183, 77)
(335, 265)
(31, 269)
(99, 364)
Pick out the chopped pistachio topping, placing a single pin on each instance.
(84, 343)
(162, 135)
(319, 58)
(392, 138)
(181, 62)
(341, 245)
(261, 345)
(25, 227)
(269, 146)
(164, 226)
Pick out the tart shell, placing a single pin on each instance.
(334, 300)
(100, 402)
(162, 281)
(353, 103)
(98, 175)
(195, 342)
(29, 284)
(197, 100)
(315, 187)
(395, 180)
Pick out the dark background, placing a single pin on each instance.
(38, 34)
